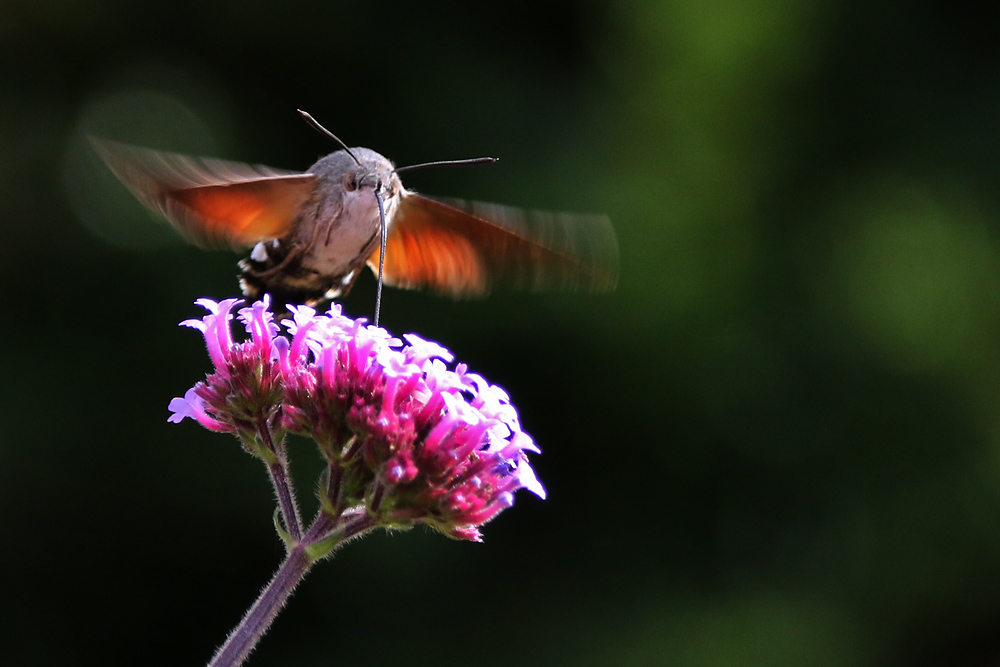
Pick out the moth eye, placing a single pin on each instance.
(350, 182)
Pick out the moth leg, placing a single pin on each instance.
(348, 284)
(294, 253)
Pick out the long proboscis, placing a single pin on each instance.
(383, 232)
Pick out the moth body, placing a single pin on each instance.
(310, 233)
(334, 232)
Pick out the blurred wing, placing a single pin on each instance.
(211, 202)
(464, 248)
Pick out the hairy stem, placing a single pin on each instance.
(277, 467)
(334, 479)
(259, 617)
(286, 499)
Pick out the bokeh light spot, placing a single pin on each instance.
(915, 271)
(149, 115)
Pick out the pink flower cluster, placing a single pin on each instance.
(246, 386)
(405, 436)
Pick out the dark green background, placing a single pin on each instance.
(777, 443)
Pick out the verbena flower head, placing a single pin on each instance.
(407, 437)
(245, 386)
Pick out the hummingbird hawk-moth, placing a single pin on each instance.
(312, 232)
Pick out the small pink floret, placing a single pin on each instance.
(444, 445)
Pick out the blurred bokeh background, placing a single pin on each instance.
(777, 443)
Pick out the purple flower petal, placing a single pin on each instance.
(420, 350)
(434, 445)
(526, 476)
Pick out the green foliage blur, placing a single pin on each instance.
(777, 443)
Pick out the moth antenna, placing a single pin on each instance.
(449, 163)
(322, 130)
(381, 255)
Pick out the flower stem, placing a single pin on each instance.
(286, 498)
(258, 619)
(334, 480)
(277, 467)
